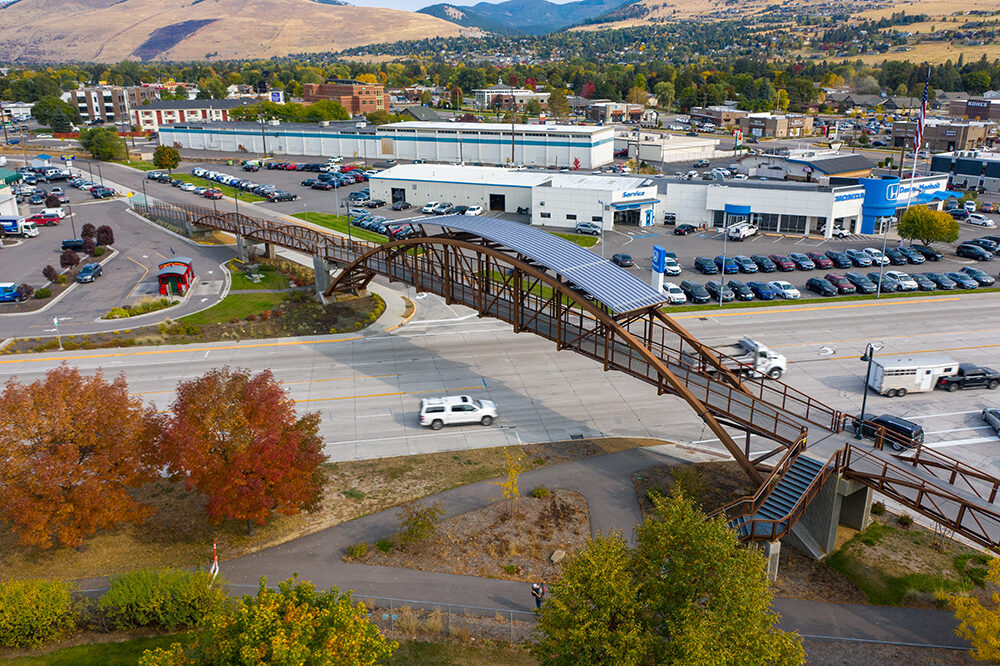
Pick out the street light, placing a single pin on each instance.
(868, 356)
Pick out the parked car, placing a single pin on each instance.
(963, 280)
(762, 291)
(861, 283)
(802, 261)
(940, 280)
(821, 286)
(684, 229)
(923, 282)
(988, 207)
(895, 256)
(89, 272)
(742, 291)
(764, 263)
(622, 259)
(44, 219)
(970, 376)
(842, 284)
(889, 283)
(715, 288)
(980, 220)
(474, 210)
(991, 415)
(984, 243)
(903, 281)
(959, 213)
(588, 228)
(980, 276)
(671, 267)
(443, 208)
(213, 194)
(970, 251)
(784, 289)
(876, 256)
(839, 259)
(700, 164)
(429, 207)
(308, 182)
(726, 264)
(838, 231)
(899, 433)
(820, 260)
(675, 295)
(927, 252)
(705, 265)
(456, 410)
(695, 292)
(782, 262)
(320, 185)
(745, 264)
(375, 203)
(281, 195)
(858, 257)
(400, 205)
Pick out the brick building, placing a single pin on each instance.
(720, 116)
(942, 134)
(975, 109)
(777, 126)
(110, 104)
(357, 97)
(167, 112)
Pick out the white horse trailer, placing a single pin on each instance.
(898, 375)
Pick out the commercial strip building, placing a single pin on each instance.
(559, 200)
(501, 96)
(151, 117)
(110, 104)
(969, 169)
(660, 147)
(572, 146)
(975, 109)
(806, 165)
(776, 126)
(16, 111)
(946, 135)
(720, 116)
(357, 97)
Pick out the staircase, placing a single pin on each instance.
(773, 513)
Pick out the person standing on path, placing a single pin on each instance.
(537, 591)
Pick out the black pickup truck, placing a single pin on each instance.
(970, 376)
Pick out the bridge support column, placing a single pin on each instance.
(321, 267)
(772, 551)
(241, 248)
(270, 251)
(839, 501)
(188, 228)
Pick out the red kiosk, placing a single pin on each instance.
(175, 276)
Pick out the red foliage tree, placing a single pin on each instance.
(588, 90)
(105, 235)
(69, 259)
(530, 83)
(237, 439)
(88, 231)
(72, 449)
(512, 80)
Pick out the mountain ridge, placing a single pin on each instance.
(523, 16)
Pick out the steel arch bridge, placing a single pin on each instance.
(501, 282)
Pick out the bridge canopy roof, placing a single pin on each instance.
(613, 286)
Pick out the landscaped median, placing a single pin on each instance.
(580, 239)
(341, 224)
(225, 189)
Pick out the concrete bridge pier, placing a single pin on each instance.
(839, 502)
(241, 248)
(322, 269)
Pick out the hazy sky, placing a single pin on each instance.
(414, 5)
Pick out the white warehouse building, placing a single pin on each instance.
(554, 199)
(573, 146)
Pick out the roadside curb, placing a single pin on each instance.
(114, 253)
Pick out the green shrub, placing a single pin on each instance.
(34, 611)
(384, 545)
(357, 550)
(44, 292)
(417, 521)
(163, 598)
(689, 481)
(905, 520)
(540, 492)
(99, 251)
(511, 569)
(354, 494)
(878, 508)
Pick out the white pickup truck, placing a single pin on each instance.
(742, 230)
(753, 359)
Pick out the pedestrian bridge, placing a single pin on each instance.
(545, 285)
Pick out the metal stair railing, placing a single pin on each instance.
(748, 504)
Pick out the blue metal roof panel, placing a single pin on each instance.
(613, 286)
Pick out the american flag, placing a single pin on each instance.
(918, 136)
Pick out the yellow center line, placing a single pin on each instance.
(918, 351)
(749, 311)
(887, 337)
(303, 381)
(144, 274)
(383, 395)
(290, 343)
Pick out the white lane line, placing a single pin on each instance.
(960, 442)
(930, 416)
(386, 439)
(941, 432)
(447, 321)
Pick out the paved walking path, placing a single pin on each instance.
(605, 481)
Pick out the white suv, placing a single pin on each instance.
(429, 207)
(454, 410)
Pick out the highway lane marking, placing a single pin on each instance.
(914, 351)
(749, 311)
(384, 395)
(386, 439)
(288, 343)
(941, 432)
(298, 381)
(930, 416)
(885, 337)
(960, 442)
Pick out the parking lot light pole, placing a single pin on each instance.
(886, 223)
(868, 356)
(602, 220)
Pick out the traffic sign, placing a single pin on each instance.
(659, 258)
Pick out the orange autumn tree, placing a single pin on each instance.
(71, 450)
(237, 439)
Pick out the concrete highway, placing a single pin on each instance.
(367, 386)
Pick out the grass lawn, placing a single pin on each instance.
(235, 305)
(779, 302)
(125, 653)
(128, 653)
(580, 239)
(142, 165)
(225, 189)
(271, 278)
(340, 223)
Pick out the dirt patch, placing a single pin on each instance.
(844, 653)
(712, 484)
(802, 577)
(179, 535)
(496, 542)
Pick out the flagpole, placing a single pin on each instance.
(918, 138)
